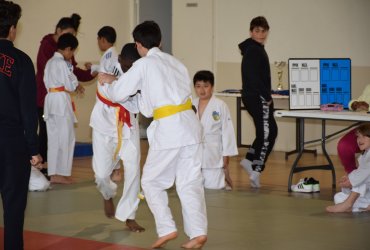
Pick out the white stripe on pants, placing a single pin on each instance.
(61, 143)
(183, 166)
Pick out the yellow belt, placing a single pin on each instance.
(171, 110)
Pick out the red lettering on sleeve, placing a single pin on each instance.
(6, 63)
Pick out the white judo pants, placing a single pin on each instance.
(61, 144)
(214, 178)
(182, 166)
(361, 203)
(103, 165)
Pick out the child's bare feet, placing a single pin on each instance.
(116, 175)
(109, 209)
(134, 227)
(195, 243)
(161, 241)
(58, 179)
(339, 208)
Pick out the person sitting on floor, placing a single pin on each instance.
(347, 146)
(355, 195)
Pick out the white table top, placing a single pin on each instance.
(239, 95)
(345, 115)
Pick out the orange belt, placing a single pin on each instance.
(62, 89)
(123, 116)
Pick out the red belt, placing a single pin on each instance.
(123, 116)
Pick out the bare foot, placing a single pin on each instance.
(116, 175)
(161, 241)
(339, 208)
(58, 179)
(229, 182)
(195, 243)
(109, 209)
(134, 227)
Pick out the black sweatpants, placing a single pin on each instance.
(266, 130)
(15, 168)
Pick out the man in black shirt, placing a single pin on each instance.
(18, 126)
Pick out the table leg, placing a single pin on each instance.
(297, 144)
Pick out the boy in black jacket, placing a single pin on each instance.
(18, 126)
(256, 96)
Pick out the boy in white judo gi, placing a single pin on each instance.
(219, 136)
(59, 110)
(355, 195)
(116, 135)
(108, 64)
(175, 134)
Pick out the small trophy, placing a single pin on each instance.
(279, 65)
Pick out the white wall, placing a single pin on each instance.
(299, 28)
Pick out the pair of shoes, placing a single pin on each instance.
(306, 185)
(315, 184)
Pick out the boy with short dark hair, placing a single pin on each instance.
(116, 136)
(257, 99)
(175, 134)
(18, 127)
(59, 110)
(219, 136)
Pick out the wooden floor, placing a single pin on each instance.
(71, 216)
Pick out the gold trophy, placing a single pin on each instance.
(279, 65)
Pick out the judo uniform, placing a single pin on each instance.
(59, 115)
(219, 141)
(105, 142)
(175, 153)
(360, 180)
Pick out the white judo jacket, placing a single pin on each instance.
(361, 175)
(163, 80)
(219, 135)
(103, 117)
(58, 73)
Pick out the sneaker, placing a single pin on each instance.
(247, 165)
(315, 184)
(254, 177)
(302, 186)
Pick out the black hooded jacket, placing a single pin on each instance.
(256, 76)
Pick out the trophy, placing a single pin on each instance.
(279, 65)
